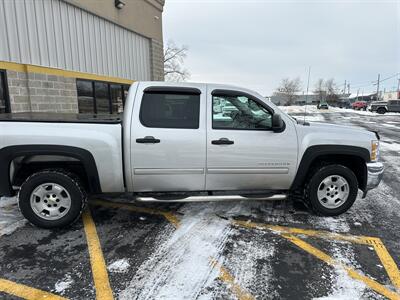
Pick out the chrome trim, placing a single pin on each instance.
(375, 174)
(248, 170)
(149, 171)
(212, 198)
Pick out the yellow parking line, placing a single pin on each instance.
(387, 261)
(226, 277)
(309, 232)
(351, 272)
(99, 269)
(171, 217)
(26, 292)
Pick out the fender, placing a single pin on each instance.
(7, 154)
(313, 152)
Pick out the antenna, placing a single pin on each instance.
(308, 83)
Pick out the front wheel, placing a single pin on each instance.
(51, 199)
(332, 190)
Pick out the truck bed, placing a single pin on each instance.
(61, 118)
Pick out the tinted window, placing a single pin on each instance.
(96, 97)
(102, 98)
(239, 112)
(116, 98)
(85, 96)
(170, 110)
(4, 100)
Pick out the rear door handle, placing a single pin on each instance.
(148, 140)
(222, 141)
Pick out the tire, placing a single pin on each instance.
(334, 202)
(52, 199)
(381, 110)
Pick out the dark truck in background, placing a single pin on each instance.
(382, 107)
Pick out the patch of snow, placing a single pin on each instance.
(119, 266)
(8, 201)
(390, 146)
(357, 224)
(62, 285)
(10, 217)
(344, 287)
(334, 224)
(182, 265)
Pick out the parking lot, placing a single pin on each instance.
(218, 250)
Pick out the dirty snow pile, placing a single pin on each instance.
(10, 216)
(183, 264)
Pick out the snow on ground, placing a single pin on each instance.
(298, 109)
(181, 266)
(389, 146)
(119, 266)
(62, 285)
(344, 287)
(10, 216)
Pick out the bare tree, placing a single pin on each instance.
(331, 91)
(326, 90)
(289, 89)
(174, 57)
(320, 89)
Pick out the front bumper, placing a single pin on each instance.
(375, 174)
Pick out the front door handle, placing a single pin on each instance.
(222, 141)
(148, 140)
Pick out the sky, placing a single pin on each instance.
(254, 44)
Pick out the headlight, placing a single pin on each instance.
(374, 150)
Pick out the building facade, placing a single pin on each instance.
(77, 56)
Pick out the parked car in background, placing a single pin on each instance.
(359, 105)
(323, 105)
(343, 103)
(382, 107)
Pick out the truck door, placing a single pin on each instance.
(168, 138)
(394, 105)
(242, 150)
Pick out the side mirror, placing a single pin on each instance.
(277, 123)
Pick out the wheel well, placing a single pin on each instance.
(353, 162)
(25, 166)
(18, 162)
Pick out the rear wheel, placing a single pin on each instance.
(381, 110)
(51, 199)
(332, 190)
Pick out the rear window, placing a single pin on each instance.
(169, 110)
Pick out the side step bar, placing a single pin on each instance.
(212, 198)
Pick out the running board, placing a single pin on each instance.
(206, 198)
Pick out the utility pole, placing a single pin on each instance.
(348, 88)
(344, 88)
(377, 88)
(398, 88)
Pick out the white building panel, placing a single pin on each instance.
(53, 33)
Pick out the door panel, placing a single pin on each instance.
(172, 158)
(258, 158)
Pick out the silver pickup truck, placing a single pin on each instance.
(177, 141)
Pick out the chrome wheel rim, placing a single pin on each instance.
(50, 201)
(333, 191)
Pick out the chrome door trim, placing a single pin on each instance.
(149, 171)
(247, 170)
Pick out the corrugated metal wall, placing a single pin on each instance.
(55, 34)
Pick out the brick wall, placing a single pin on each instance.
(42, 92)
(157, 60)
